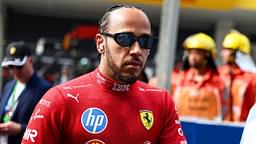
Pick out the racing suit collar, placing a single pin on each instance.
(110, 84)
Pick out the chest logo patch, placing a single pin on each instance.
(147, 118)
(94, 120)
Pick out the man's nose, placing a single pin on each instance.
(136, 49)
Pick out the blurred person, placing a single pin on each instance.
(236, 76)
(6, 77)
(198, 93)
(21, 94)
(109, 105)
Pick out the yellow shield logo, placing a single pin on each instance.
(147, 118)
(12, 50)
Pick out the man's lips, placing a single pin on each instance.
(135, 63)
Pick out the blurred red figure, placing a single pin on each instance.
(198, 89)
(237, 77)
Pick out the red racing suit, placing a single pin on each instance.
(242, 87)
(199, 98)
(95, 109)
(249, 99)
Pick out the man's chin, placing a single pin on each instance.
(128, 79)
(196, 66)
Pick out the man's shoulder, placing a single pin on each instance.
(40, 82)
(71, 89)
(76, 84)
(9, 85)
(10, 82)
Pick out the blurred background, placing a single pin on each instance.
(61, 32)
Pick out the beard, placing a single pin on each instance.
(127, 79)
(230, 61)
(196, 66)
(199, 64)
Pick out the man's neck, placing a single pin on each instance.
(201, 70)
(27, 77)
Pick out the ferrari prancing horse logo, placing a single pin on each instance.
(147, 118)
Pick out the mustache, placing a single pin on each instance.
(134, 61)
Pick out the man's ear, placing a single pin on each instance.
(100, 44)
(30, 59)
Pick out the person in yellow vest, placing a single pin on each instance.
(198, 94)
(237, 73)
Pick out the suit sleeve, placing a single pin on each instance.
(172, 132)
(45, 124)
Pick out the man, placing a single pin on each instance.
(198, 93)
(109, 105)
(238, 80)
(20, 95)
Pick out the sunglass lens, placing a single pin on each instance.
(19, 67)
(124, 39)
(146, 42)
(15, 67)
(10, 67)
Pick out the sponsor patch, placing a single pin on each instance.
(37, 115)
(95, 141)
(121, 87)
(75, 97)
(12, 50)
(45, 102)
(94, 120)
(147, 118)
(180, 132)
(30, 135)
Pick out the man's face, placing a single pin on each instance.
(21, 74)
(124, 63)
(228, 56)
(197, 58)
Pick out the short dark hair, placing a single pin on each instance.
(104, 21)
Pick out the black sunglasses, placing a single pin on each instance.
(127, 39)
(15, 67)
